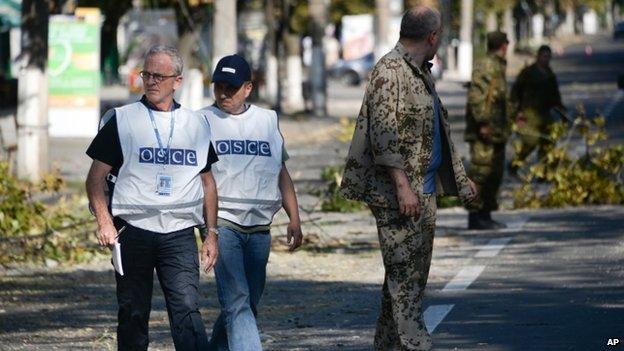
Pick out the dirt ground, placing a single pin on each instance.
(313, 301)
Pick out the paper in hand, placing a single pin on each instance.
(117, 258)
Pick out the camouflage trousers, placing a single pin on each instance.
(487, 166)
(406, 248)
(533, 136)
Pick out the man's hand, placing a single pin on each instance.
(107, 234)
(520, 120)
(408, 202)
(294, 237)
(209, 252)
(485, 132)
(473, 192)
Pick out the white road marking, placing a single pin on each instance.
(493, 247)
(434, 315)
(519, 223)
(464, 278)
(615, 100)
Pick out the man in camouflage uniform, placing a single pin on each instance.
(487, 130)
(534, 94)
(400, 157)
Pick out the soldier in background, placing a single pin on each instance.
(535, 94)
(487, 130)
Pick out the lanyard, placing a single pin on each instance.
(171, 126)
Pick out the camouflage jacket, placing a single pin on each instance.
(395, 129)
(488, 103)
(535, 92)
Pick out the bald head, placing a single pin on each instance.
(418, 22)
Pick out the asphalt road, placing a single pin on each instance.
(557, 283)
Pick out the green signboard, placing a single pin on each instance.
(74, 73)
(73, 62)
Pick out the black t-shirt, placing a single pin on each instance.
(106, 148)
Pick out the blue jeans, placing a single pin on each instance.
(241, 273)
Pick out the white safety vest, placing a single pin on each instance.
(135, 198)
(249, 147)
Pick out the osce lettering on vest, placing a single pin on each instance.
(249, 147)
(243, 147)
(136, 197)
(176, 157)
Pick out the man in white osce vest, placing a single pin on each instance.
(253, 184)
(162, 156)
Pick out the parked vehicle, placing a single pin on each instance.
(352, 72)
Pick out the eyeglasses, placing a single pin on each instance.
(156, 76)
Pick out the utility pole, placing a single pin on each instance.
(225, 37)
(318, 12)
(465, 40)
(32, 105)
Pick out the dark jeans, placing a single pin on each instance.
(174, 255)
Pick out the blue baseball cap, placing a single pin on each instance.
(233, 70)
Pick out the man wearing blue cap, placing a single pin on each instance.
(253, 184)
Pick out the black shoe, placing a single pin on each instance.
(476, 221)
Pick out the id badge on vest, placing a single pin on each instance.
(164, 181)
(164, 184)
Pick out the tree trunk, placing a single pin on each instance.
(569, 26)
(32, 108)
(191, 94)
(508, 27)
(271, 77)
(294, 73)
(491, 22)
(109, 53)
(225, 37)
(465, 40)
(318, 85)
(382, 24)
(608, 6)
